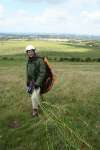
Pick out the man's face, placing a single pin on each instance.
(31, 53)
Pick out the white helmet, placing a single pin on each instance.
(30, 47)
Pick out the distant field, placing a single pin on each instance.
(70, 113)
(52, 48)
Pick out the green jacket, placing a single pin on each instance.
(36, 70)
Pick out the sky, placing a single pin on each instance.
(50, 16)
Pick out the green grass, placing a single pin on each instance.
(69, 116)
(50, 48)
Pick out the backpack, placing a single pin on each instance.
(49, 78)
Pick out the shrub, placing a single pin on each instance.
(98, 59)
(88, 59)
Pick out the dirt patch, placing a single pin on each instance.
(14, 124)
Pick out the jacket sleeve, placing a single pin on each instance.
(27, 79)
(41, 74)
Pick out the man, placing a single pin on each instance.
(36, 71)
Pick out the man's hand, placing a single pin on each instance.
(31, 87)
(29, 90)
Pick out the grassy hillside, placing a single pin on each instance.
(69, 115)
(52, 49)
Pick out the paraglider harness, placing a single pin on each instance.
(49, 77)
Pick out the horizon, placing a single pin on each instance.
(48, 33)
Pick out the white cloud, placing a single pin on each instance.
(50, 16)
(2, 14)
(47, 1)
(62, 1)
(58, 18)
(51, 20)
(91, 17)
(1, 9)
(53, 15)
